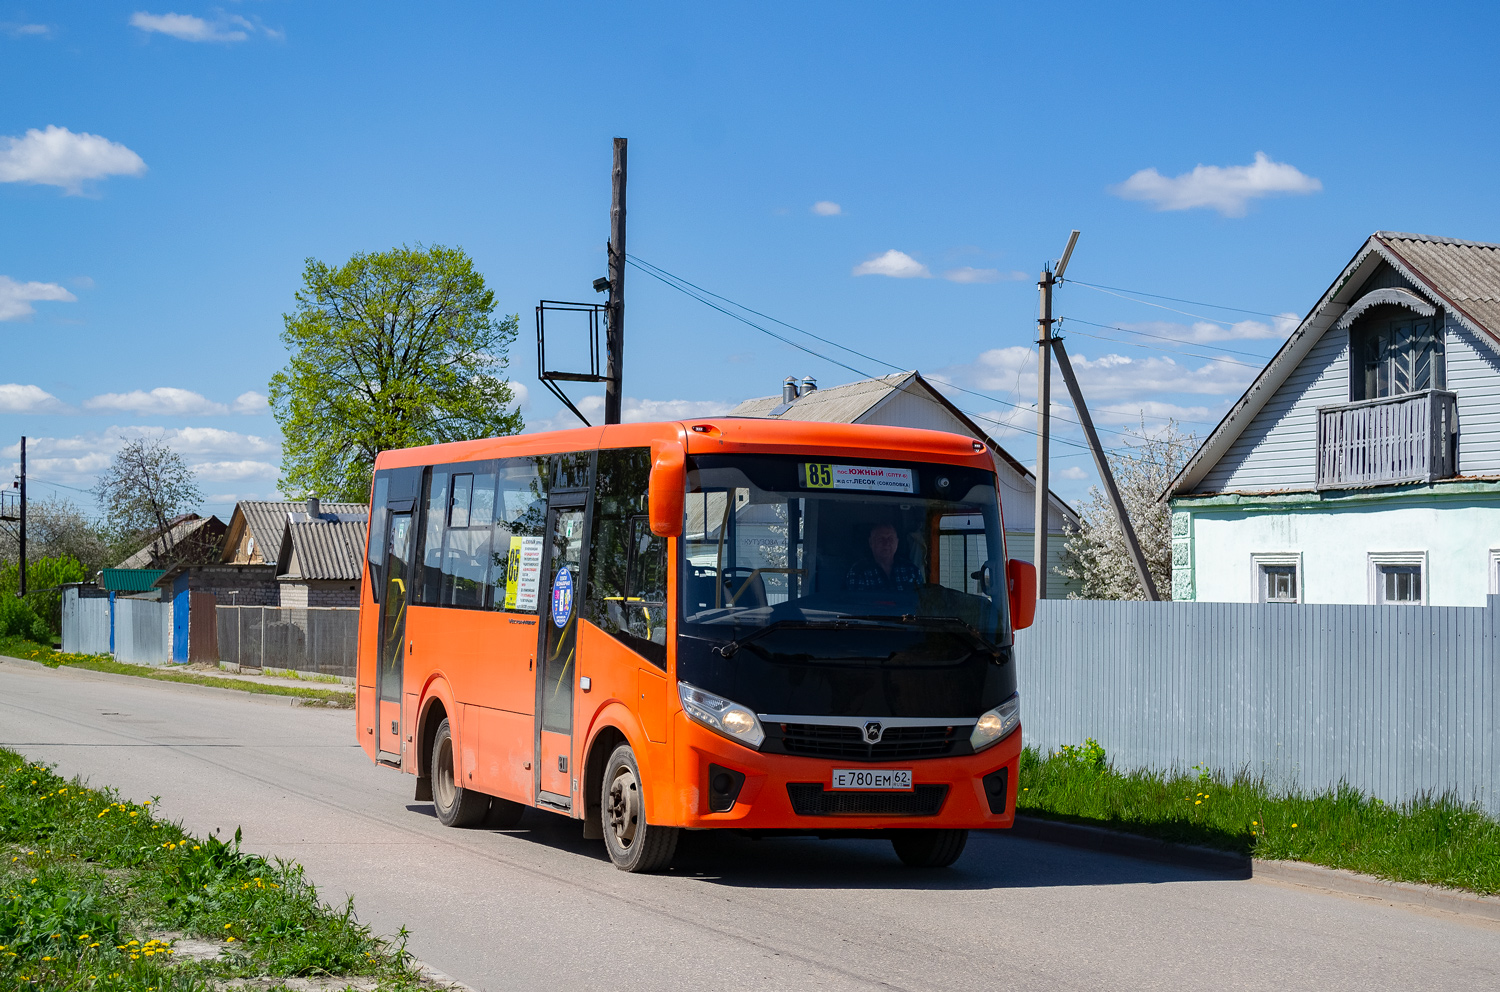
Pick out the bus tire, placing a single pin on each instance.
(929, 848)
(503, 814)
(633, 844)
(455, 805)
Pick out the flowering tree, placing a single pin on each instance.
(1096, 554)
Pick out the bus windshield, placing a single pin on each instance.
(779, 552)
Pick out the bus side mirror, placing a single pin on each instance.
(1021, 579)
(668, 489)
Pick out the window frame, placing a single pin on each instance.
(1380, 559)
(1259, 561)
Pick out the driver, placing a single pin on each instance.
(881, 570)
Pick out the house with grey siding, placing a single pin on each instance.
(1363, 463)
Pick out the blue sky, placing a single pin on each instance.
(165, 170)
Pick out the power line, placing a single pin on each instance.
(1192, 303)
(678, 283)
(1166, 351)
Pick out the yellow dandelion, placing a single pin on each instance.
(1294, 826)
(230, 939)
(1197, 802)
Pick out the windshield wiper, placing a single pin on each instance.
(729, 649)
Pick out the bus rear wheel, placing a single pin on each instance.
(633, 844)
(455, 805)
(929, 848)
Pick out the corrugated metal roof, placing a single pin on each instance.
(323, 549)
(834, 405)
(267, 519)
(130, 579)
(1466, 272)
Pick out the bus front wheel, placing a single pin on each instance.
(929, 848)
(455, 805)
(634, 845)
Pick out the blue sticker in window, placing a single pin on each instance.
(562, 597)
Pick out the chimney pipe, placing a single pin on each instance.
(809, 385)
(314, 507)
(789, 389)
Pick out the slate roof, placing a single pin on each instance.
(1463, 277)
(835, 405)
(1466, 274)
(322, 549)
(182, 530)
(267, 519)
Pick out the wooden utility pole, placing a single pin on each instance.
(1044, 413)
(1105, 475)
(614, 332)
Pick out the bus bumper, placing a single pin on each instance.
(963, 792)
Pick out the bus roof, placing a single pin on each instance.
(716, 435)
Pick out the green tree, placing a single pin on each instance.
(390, 350)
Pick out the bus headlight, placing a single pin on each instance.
(721, 715)
(997, 724)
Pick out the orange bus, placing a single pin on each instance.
(729, 623)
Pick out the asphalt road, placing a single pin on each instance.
(538, 907)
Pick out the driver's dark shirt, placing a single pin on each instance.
(869, 575)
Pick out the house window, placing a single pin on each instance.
(1276, 577)
(1278, 583)
(1393, 357)
(1398, 578)
(1400, 584)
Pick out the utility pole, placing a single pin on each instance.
(1044, 411)
(22, 538)
(1105, 475)
(614, 332)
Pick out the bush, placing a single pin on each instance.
(18, 619)
(44, 577)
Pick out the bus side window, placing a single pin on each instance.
(434, 515)
(627, 564)
(466, 541)
(520, 516)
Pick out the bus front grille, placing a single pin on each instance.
(812, 799)
(820, 740)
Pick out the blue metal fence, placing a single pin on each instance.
(1394, 700)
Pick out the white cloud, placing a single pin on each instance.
(18, 30)
(1203, 332)
(632, 411)
(250, 402)
(896, 264)
(232, 471)
(827, 208)
(521, 394)
(16, 398)
(58, 157)
(967, 273)
(161, 401)
(1107, 377)
(16, 298)
(1071, 472)
(1226, 189)
(186, 27)
(218, 454)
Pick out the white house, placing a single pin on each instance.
(1363, 463)
(905, 399)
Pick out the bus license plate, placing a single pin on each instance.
(881, 779)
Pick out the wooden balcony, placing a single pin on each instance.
(1395, 439)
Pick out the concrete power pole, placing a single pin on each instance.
(1044, 412)
(614, 337)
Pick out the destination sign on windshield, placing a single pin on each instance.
(870, 478)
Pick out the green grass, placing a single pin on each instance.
(16, 647)
(1435, 840)
(86, 877)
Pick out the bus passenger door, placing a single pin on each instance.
(557, 647)
(393, 637)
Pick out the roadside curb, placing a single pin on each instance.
(431, 974)
(1236, 866)
(67, 671)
